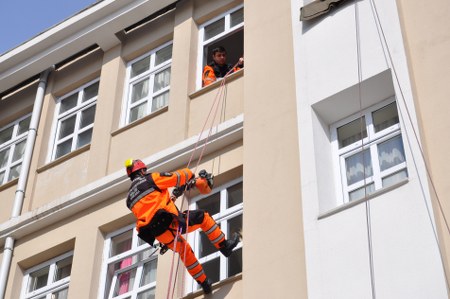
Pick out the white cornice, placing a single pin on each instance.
(97, 24)
(116, 183)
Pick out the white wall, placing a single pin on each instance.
(405, 253)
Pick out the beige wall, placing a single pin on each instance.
(425, 30)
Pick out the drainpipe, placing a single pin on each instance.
(23, 177)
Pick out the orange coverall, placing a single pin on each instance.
(212, 71)
(159, 218)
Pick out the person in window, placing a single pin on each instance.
(158, 217)
(219, 67)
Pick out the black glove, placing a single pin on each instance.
(208, 176)
(178, 191)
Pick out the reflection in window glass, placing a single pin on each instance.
(24, 125)
(163, 55)
(385, 117)
(38, 279)
(121, 243)
(140, 66)
(87, 117)
(6, 134)
(63, 148)
(237, 17)
(351, 132)
(361, 192)
(395, 178)
(68, 103)
(140, 90)
(19, 150)
(356, 168)
(235, 263)
(160, 101)
(214, 29)
(149, 294)
(162, 80)
(210, 204)
(84, 138)
(234, 195)
(90, 92)
(67, 127)
(212, 270)
(138, 112)
(391, 153)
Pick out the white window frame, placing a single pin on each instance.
(107, 260)
(51, 287)
(16, 138)
(370, 143)
(150, 73)
(59, 118)
(221, 218)
(201, 43)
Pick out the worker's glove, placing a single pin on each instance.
(178, 191)
(208, 176)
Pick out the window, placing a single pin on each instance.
(75, 119)
(226, 30)
(225, 205)
(130, 266)
(370, 151)
(49, 280)
(13, 139)
(148, 83)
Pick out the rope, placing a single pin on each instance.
(367, 201)
(428, 172)
(215, 104)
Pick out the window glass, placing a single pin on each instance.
(162, 80)
(140, 90)
(395, 178)
(138, 112)
(63, 148)
(84, 138)
(361, 193)
(357, 166)
(237, 17)
(140, 66)
(87, 117)
(234, 195)
(163, 55)
(67, 127)
(90, 92)
(68, 103)
(62, 294)
(160, 101)
(19, 150)
(149, 294)
(235, 225)
(210, 204)
(385, 117)
(205, 247)
(212, 270)
(121, 243)
(24, 125)
(63, 268)
(351, 132)
(6, 134)
(38, 279)
(125, 282)
(14, 172)
(214, 28)
(149, 274)
(4, 157)
(391, 153)
(235, 263)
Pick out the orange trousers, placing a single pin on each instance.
(197, 219)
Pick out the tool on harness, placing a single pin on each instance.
(205, 182)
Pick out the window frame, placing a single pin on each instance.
(50, 287)
(150, 73)
(11, 146)
(202, 43)
(106, 291)
(74, 111)
(370, 142)
(222, 218)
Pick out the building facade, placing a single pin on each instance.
(328, 149)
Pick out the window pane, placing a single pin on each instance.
(162, 79)
(62, 294)
(234, 225)
(63, 268)
(140, 90)
(121, 243)
(14, 172)
(138, 112)
(90, 91)
(234, 195)
(4, 157)
(211, 204)
(356, 168)
(124, 282)
(2, 177)
(163, 55)
(63, 148)
(140, 66)
(67, 127)
(395, 178)
(235, 263)
(38, 279)
(87, 116)
(237, 17)
(84, 138)
(6, 134)
(360, 193)
(149, 273)
(214, 29)
(385, 117)
(24, 125)
(391, 153)
(351, 132)
(19, 149)
(149, 294)
(205, 247)
(212, 270)
(68, 103)
(160, 101)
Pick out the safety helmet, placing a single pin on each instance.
(134, 165)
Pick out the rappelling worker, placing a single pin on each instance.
(218, 68)
(158, 217)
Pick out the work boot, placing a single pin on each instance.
(226, 247)
(206, 286)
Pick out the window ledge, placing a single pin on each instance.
(64, 158)
(212, 86)
(359, 201)
(140, 121)
(215, 286)
(9, 184)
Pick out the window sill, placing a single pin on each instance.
(140, 121)
(212, 86)
(64, 158)
(359, 201)
(9, 184)
(215, 286)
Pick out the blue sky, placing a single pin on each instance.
(20, 20)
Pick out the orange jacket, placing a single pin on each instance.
(212, 71)
(149, 193)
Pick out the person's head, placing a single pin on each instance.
(219, 55)
(135, 168)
